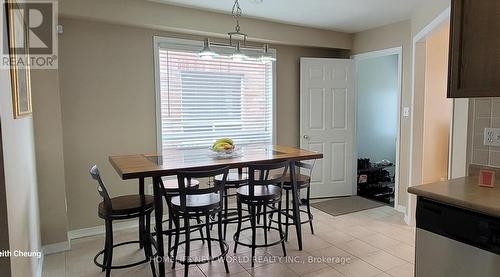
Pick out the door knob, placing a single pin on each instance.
(305, 137)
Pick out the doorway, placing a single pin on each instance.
(378, 93)
(439, 125)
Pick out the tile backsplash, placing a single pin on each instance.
(485, 114)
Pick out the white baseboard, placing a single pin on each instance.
(400, 208)
(100, 230)
(56, 247)
(40, 265)
(407, 219)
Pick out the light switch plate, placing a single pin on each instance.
(492, 137)
(406, 111)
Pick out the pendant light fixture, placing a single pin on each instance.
(207, 52)
(238, 41)
(267, 57)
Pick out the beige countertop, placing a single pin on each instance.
(463, 192)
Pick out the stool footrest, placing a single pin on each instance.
(284, 212)
(120, 266)
(211, 259)
(266, 228)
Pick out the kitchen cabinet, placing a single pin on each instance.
(474, 67)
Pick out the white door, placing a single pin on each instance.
(327, 117)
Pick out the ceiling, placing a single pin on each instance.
(340, 15)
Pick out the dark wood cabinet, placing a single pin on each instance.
(474, 49)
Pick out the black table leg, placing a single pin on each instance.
(141, 218)
(158, 224)
(296, 201)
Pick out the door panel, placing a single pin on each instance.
(316, 109)
(338, 168)
(339, 114)
(327, 123)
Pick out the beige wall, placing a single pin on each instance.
(49, 152)
(394, 35)
(485, 113)
(108, 104)
(437, 108)
(425, 12)
(157, 16)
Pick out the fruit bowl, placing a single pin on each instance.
(224, 148)
(226, 154)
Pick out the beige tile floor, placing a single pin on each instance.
(374, 242)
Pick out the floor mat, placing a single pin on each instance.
(346, 205)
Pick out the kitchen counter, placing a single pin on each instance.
(463, 193)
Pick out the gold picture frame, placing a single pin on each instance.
(20, 75)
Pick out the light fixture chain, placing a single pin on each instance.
(237, 14)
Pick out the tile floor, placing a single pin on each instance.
(374, 242)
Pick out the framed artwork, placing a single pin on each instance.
(18, 41)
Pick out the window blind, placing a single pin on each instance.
(203, 100)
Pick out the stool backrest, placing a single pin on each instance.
(258, 174)
(101, 188)
(308, 166)
(218, 187)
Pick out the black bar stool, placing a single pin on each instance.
(234, 181)
(303, 182)
(171, 189)
(204, 202)
(259, 193)
(120, 208)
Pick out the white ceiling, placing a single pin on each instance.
(340, 15)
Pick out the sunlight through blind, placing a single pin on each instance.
(202, 100)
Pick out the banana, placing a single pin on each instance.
(221, 146)
(223, 141)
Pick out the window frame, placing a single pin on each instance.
(194, 46)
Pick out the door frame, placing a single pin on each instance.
(371, 55)
(418, 38)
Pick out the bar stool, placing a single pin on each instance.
(204, 202)
(261, 193)
(234, 181)
(303, 182)
(171, 189)
(120, 208)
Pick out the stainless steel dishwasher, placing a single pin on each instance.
(455, 242)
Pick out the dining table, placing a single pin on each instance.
(172, 161)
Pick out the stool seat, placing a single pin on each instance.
(303, 181)
(260, 192)
(194, 202)
(172, 185)
(127, 205)
(233, 178)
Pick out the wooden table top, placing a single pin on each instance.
(172, 161)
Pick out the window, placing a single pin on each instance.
(202, 100)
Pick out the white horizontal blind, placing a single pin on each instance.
(203, 100)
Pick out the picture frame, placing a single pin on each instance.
(17, 31)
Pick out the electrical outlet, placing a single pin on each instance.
(492, 137)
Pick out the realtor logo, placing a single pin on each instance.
(29, 27)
